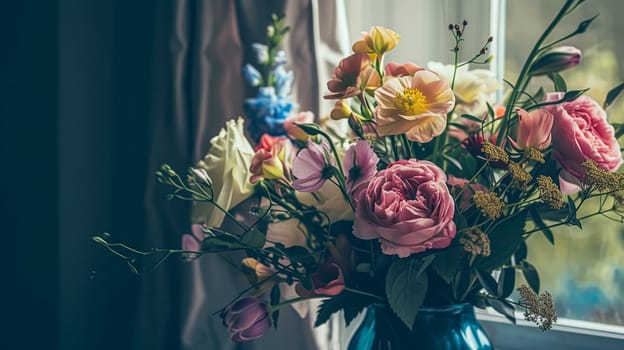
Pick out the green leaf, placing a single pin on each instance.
(487, 282)
(506, 282)
(537, 219)
(505, 308)
(327, 308)
(491, 112)
(619, 129)
(275, 299)
(461, 282)
(559, 82)
(352, 304)
(612, 95)
(473, 118)
(521, 252)
(253, 238)
(406, 289)
(214, 244)
(310, 128)
(582, 27)
(531, 276)
(573, 95)
(504, 241)
(445, 264)
(572, 219)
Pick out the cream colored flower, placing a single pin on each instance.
(227, 163)
(473, 88)
(329, 200)
(415, 106)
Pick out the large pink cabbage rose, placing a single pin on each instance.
(581, 132)
(407, 207)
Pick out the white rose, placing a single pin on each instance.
(227, 163)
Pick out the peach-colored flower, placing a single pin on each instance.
(533, 129)
(295, 132)
(394, 69)
(415, 106)
(378, 40)
(347, 80)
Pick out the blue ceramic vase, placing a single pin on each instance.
(441, 328)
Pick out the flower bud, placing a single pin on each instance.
(341, 110)
(247, 319)
(556, 60)
(534, 129)
(266, 164)
(294, 131)
(378, 40)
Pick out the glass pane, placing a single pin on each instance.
(585, 269)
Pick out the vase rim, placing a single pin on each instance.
(445, 308)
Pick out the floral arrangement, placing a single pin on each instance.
(427, 199)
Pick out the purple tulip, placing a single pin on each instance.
(247, 319)
(556, 60)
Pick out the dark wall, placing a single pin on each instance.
(28, 174)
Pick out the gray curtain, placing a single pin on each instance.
(199, 49)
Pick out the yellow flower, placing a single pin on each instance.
(378, 40)
(415, 106)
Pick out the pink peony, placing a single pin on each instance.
(407, 207)
(534, 129)
(581, 132)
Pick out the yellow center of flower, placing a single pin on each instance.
(411, 102)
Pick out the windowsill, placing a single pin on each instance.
(566, 334)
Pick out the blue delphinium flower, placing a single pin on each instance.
(262, 52)
(252, 76)
(283, 81)
(267, 113)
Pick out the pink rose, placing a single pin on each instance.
(407, 207)
(581, 132)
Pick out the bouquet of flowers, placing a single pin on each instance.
(427, 200)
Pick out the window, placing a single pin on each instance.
(585, 273)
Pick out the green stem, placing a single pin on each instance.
(356, 291)
(504, 129)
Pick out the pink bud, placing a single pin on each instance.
(295, 132)
(556, 60)
(534, 129)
